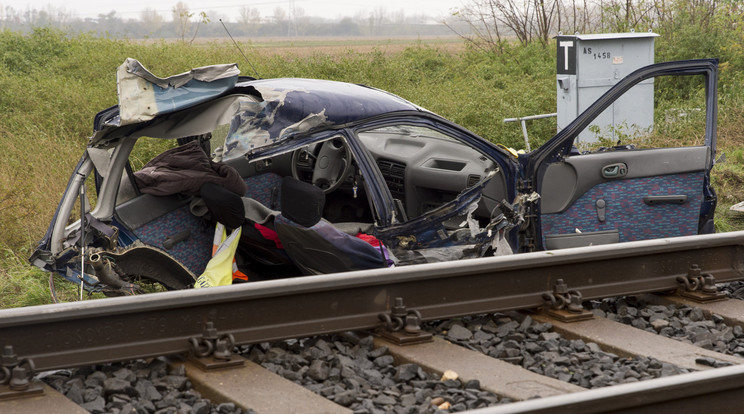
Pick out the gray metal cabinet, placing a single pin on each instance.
(588, 65)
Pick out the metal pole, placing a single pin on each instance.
(524, 125)
(526, 138)
(82, 234)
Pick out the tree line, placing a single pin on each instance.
(688, 28)
(492, 24)
(186, 24)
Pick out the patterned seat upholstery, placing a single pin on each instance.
(627, 212)
(266, 189)
(193, 233)
(197, 234)
(259, 254)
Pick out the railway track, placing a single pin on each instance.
(209, 323)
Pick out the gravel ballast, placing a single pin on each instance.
(683, 323)
(516, 338)
(734, 290)
(138, 387)
(353, 373)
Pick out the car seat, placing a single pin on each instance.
(259, 254)
(315, 245)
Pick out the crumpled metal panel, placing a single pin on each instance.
(143, 95)
(426, 239)
(294, 106)
(276, 110)
(255, 123)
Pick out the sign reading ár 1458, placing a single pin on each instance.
(596, 55)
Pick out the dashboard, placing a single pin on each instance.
(426, 169)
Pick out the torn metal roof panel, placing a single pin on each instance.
(143, 96)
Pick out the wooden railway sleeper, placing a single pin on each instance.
(214, 351)
(698, 286)
(17, 376)
(402, 325)
(564, 304)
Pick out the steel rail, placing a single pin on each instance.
(715, 390)
(97, 331)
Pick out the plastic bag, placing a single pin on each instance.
(220, 268)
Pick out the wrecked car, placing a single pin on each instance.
(423, 187)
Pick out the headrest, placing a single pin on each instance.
(302, 202)
(225, 206)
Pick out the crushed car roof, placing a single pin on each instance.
(341, 102)
(287, 107)
(278, 107)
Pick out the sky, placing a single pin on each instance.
(324, 8)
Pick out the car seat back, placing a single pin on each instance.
(314, 244)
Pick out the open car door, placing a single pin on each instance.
(624, 192)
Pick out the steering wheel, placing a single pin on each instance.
(331, 166)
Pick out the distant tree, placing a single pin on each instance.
(360, 19)
(47, 16)
(203, 19)
(398, 17)
(249, 19)
(623, 15)
(481, 18)
(13, 15)
(376, 18)
(110, 22)
(280, 21)
(301, 22)
(528, 20)
(346, 27)
(152, 21)
(578, 16)
(182, 19)
(280, 14)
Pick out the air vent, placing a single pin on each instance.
(394, 174)
(473, 179)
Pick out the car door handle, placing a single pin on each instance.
(616, 170)
(665, 199)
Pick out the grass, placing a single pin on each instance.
(728, 180)
(52, 84)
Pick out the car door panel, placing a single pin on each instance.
(624, 194)
(642, 194)
(622, 205)
(568, 180)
